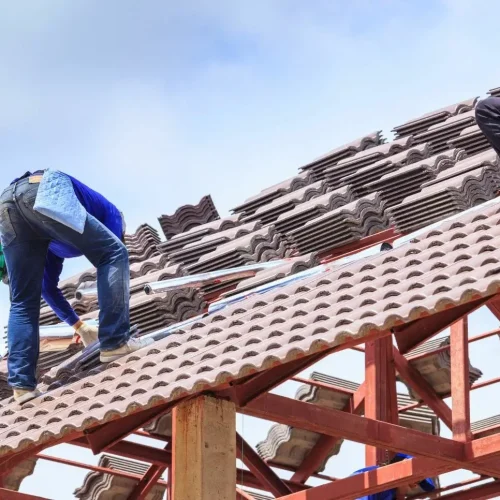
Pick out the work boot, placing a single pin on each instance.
(131, 346)
(22, 396)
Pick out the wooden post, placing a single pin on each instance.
(460, 384)
(380, 397)
(204, 451)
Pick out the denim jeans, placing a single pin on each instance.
(488, 120)
(25, 236)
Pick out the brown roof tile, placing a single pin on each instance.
(318, 166)
(337, 174)
(270, 194)
(100, 486)
(422, 123)
(188, 217)
(472, 140)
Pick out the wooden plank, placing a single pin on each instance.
(204, 449)
(380, 397)
(460, 384)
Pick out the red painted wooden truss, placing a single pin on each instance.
(370, 418)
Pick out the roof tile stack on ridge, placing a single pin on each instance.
(439, 136)
(262, 245)
(142, 245)
(192, 252)
(422, 123)
(371, 173)
(153, 264)
(344, 225)
(307, 211)
(179, 241)
(154, 312)
(454, 263)
(268, 214)
(318, 166)
(268, 195)
(494, 92)
(289, 446)
(188, 217)
(472, 140)
(449, 196)
(101, 486)
(335, 176)
(396, 186)
(436, 367)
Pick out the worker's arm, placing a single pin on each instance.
(51, 292)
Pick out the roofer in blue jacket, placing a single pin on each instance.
(488, 120)
(46, 217)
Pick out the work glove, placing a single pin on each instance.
(89, 334)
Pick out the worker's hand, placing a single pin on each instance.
(89, 334)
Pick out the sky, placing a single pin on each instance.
(156, 104)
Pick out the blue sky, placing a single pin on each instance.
(157, 103)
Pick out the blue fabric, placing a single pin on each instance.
(427, 485)
(27, 235)
(57, 200)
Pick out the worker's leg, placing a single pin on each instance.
(108, 254)
(25, 252)
(488, 120)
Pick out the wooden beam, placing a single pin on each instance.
(380, 396)
(268, 478)
(418, 383)
(204, 445)
(481, 455)
(149, 480)
(363, 430)
(483, 492)
(460, 383)
(325, 444)
(494, 305)
(375, 481)
(16, 495)
(104, 436)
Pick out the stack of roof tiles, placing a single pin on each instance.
(289, 447)
(471, 140)
(312, 209)
(179, 241)
(270, 212)
(318, 167)
(102, 486)
(252, 204)
(341, 226)
(337, 174)
(262, 245)
(188, 217)
(470, 182)
(440, 135)
(361, 179)
(142, 244)
(395, 186)
(192, 252)
(435, 367)
(425, 122)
